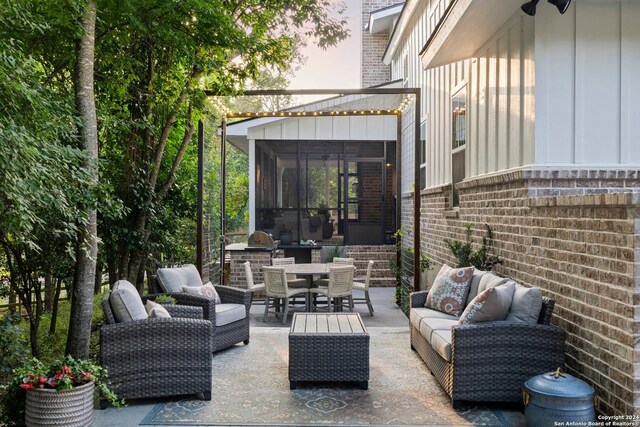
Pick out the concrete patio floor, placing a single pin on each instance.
(386, 315)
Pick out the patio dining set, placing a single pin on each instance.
(333, 287)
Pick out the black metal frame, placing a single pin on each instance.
(338, 92)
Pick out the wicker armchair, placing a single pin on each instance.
(158, 357)
(224, 336)
(340, 286)
(491, 360)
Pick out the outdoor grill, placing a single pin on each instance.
(260, 239)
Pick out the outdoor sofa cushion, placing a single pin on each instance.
(417, 314)
(172, 280)
(429, 326)
(490, 280)
(449, 290)
(229, 313)
(441, 342)
(475, 283)
(526, 305)
(490, 304)
(126, 303)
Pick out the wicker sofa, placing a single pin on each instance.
(229, 316)
(156, 357)
(486, 361)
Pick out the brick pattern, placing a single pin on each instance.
(237, 277)
(373, 70)
(576, 235)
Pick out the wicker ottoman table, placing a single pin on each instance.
(328, 347)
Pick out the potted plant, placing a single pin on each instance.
(61, 393)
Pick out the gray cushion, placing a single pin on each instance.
(207, 291)
(490, 280)
(475, 282)
(450, 289)
(126, 303)
(418, 313)
(441, 342)
(427, 326)
(526, 305)
(229, 313)
(490, 304)
(174, 279)
(155, 310)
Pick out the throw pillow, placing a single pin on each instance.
(207, 291)
(126, 303)
(156, 310)
(490, 280)
(526, 305)
(490, 304)
(449, 291)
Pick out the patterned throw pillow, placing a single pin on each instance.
(450, 289)
(490, 304)
(155, 310)
(207, 291)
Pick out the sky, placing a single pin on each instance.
(337, 67)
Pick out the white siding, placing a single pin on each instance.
(586, 62)
(360, 128)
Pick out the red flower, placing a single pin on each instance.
(43, 379)
(26, 386)
(66, 369)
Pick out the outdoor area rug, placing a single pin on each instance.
(251, 387)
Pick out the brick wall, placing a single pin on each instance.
(373, 71)
(576, 235)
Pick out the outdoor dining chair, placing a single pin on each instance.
(278, 291)
(336, 261)
(292, 280)
(364, 287)
(340, 286)
(251, 285)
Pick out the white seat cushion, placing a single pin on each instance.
(441, 342)
(427, 326)
(126, 303)
(229, 313)
(418, 313)
(172, 280)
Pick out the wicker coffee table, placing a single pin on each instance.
(328, 347)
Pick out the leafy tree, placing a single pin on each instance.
(155, 60)
(42, 179)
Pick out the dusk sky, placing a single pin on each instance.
(337, 67)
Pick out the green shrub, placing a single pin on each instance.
(482, 258)
(13, 346)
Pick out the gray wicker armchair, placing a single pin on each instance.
(490, 361)
(158, 357)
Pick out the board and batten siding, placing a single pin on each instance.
(355, 128)
(586, 66)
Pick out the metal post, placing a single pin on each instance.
(416, 195)
(200, 213)
(223, 193)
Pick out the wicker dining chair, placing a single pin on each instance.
(251, 285)
(278, 291)
(336, 261)
(364, 287)
(340, 286)
(292, 280)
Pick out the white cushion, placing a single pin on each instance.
(490, 280)
(475, 283)
(207, 291)
(418, 313)
(229, 313)
(441, 342)
(428, 326)
(174, 279)
(126, 303)
(155, 310)
(526, 305)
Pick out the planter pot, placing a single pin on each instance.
(69, 408)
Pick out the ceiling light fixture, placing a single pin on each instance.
(530, 7)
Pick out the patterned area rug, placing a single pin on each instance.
(251, 387)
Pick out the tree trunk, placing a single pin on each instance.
(54, 309)
(112, 270)
(33, 337)
(48, 291)
(97, 287)
(79, 336)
